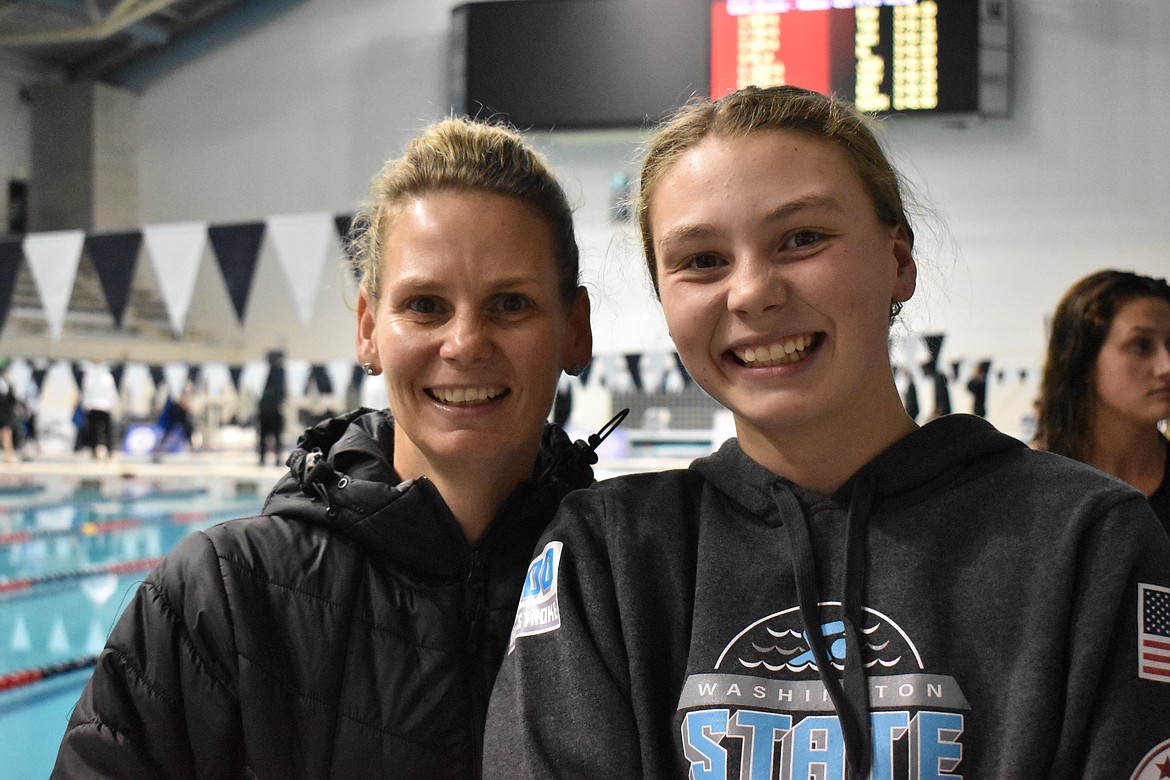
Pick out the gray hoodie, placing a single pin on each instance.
(701, 623)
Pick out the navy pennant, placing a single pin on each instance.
(632, 361)
(114, 257)
(116, 371)
(682, 369)
(10, 256)
(235, 372)
(157, 375)
(344, 223)
(237, 248)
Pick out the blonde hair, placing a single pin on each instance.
(464, 154)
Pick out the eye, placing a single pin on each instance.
(423, 305)
(800, 239)
(1140, 346)
(704, 261)
(513, 302)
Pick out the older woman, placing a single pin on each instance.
(1106, 383)
(354, 628)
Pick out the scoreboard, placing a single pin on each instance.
(896, 56)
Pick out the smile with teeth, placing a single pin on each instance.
(467, 396)
(791, 350)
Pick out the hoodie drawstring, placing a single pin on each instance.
(851, 697)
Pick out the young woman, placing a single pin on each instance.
(836, 592)
(354, 628)
(1107, 381)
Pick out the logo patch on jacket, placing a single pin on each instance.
(1156, 764)
(763, 712)
(538, 611)
(1154, 633)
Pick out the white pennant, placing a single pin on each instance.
(53, 259)
(341, 375)
(175, 252)
(303, 243)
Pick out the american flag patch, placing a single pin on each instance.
(1154, 632)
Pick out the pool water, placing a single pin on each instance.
(72, 553)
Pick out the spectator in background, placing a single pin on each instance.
(176, 417)
(270, 410)
(1106, 384)
(99, 402)
(977, 387)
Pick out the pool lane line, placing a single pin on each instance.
(98, 527)
(23, 677)
(23, 584)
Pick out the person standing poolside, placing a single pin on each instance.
(836, 592)
(354, 628)
(1106, 384)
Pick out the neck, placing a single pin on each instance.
(823, 457)
(474, 500)
(1131, 452)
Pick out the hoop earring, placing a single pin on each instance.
(369, 369)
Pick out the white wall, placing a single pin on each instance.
(297, 115)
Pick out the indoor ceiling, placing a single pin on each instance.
(122, 42)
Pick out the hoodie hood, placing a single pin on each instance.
(341, 476)
(921, 464)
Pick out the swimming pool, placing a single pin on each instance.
(72, 551)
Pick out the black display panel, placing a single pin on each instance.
(578, 63)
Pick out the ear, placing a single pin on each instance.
(906, 270)
(580, 336)
(367, 348)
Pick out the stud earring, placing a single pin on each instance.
(895, 310)
(576, 369)
(369, 369)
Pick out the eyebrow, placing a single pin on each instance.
(690, 231)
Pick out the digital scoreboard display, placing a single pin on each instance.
(887, 57)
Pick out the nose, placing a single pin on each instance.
(754, 287)
(1162, 360)
(467, 341)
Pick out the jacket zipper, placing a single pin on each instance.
(475, 606)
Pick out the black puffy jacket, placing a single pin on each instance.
(347, 631)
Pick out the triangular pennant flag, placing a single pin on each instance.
(10, 256)
(38, 377)
(78, 373)
(157, 375)
(356, 376)
(319, 379)
(194, 372)
(116, 371)
(934, 343)
(175, 251)
(237, 248)
(53, 258)
(296, 377)
(235, 372)
(344, 223)
(682, 370)
(115, 256)
(302, 243)
(176, 378)
(340, 376)
(632, 362)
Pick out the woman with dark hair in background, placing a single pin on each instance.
(1106, 385)
(836, 591)
(354, 628)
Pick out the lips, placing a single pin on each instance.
(792, 349)
(467, 396)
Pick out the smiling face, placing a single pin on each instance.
(1131, 379)
(776, 279)
(471, 333)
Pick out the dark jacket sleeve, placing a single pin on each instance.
(1118, 705)
(562, 704)
(160, 702)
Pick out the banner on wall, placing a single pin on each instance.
(175, 252)
(237, 248)
(115, 258)
(10, 256)
(53, 259)
(303, 244)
